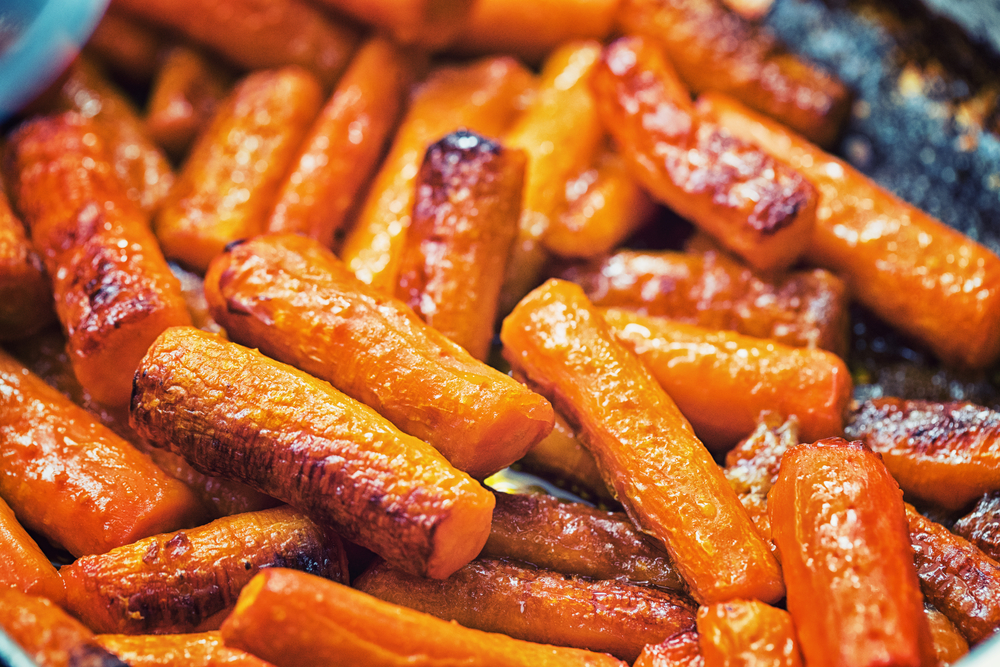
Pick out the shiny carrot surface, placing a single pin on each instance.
(430, 24)
(197, 649)
(981, 526)
(747, 633)
(681, 650)
(561, 455)
(25, 295)
(647, 451)
(22, 564)
(949, 644)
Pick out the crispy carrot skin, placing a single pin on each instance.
(647, 451)
(114, 291)
(198, 649)
(231, 178)
(295, 619)
(341, 152)
(712, 290)
(560, 455)
(22, 564)
(257, 34)
(573, 538)
(188, 580)
(838, 520)
(465, 218)
(25, 295)
(944, 453)
(722, 380)
(130, 47)
(234, 412)
(961, 581)
(949, 644)
(714, 49)
(747, 632)
(755, 206)
(897, 260)
(50, 636)
(681, 650)
(442, 104)
(374, 349)
(431, 24)
(607, 616)
(981, 526)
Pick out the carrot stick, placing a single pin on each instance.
(197, 649)
(430, 24)
(747, 632)
(22, 564)
(25, 294)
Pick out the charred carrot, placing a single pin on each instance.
(197, 649)
(981, 526)
(722, 380)
(374, 349)
(573, 538)
(25, 294)
(755, 206)
(292, 618)
(837, 517)
(343, 147)
(897, 260)
(681, 650)
(560, 455)
(231, 177)
(126, 45)
(949, 644)
(646, 450)
(430, 24)
(747, 632)
(465, 218)
(482, 96)
(22, 564)
(234, 412)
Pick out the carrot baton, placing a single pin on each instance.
(25, 294)
(681, 650)
(747, 632)
(197, 649)
(22, 564)
(430, 24)
(981, 526)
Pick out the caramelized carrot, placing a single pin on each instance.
(944, 453)
(681, 650)
(949, 644)
(900, 262)
(721, 380)
(22, 564)
(431, 24)
(291, 618)
(126, 45)
(234, 412)
(747, 632)
(198, 649)
(465, 218)
(374, 349)
(231, 177)
(341, 152)
(187, 581)
(573, 538)
(482, 96)
(838, 520)
(646, 450)
(981, 526)
(25, 295)
(561, 455)
(714, 49)
(755, 206)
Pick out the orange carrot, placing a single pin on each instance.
(981, 526)
(747, 632)
(949, 644)
(198, 649)
(430, 24)
(681, 650)
(25, 294)
(22, 564)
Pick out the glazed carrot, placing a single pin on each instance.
(50, 636)
(22, 564)
(127, 45)
(949, 644)
(981, 526)
(341, 152)
(374, 349)
(291, 618)
(257, 34)
(198, 649)
(957, 578)
(747, 632)
(561, 455)
(231, 178)
(573, 538)
(838, 520)
(646, 450)
(187, 581)
(755, 206)
(712, 290)
(722, 380)
(681, 650)
(465, 218)
(25, 295)
(897, 260)
(114, 292)
(944, 453)
(482, 96)
(539, 605)
(716, 50)
(234, 412)
(431, 24)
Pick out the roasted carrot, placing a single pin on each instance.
(465, 219)
(722, 380)
(981, 526)
(681, 650)
(646, 450)
(944, 453)
(560, 455)
(949, 644)
(22, 564)
(114, 292)
(539, 605)
(187, 581)
(234, 412)
(291, 618)
(257, 34)
(231, 178)
(342, 149)
(197, 649)
(837, 517)
(712, 290)
(714, 49)
(753, 205)
(126, 45)
(374, 349)
(482, 96)
(897, 260)
(25, 294)
(573, 538)
(747, 632)
(430, 24)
